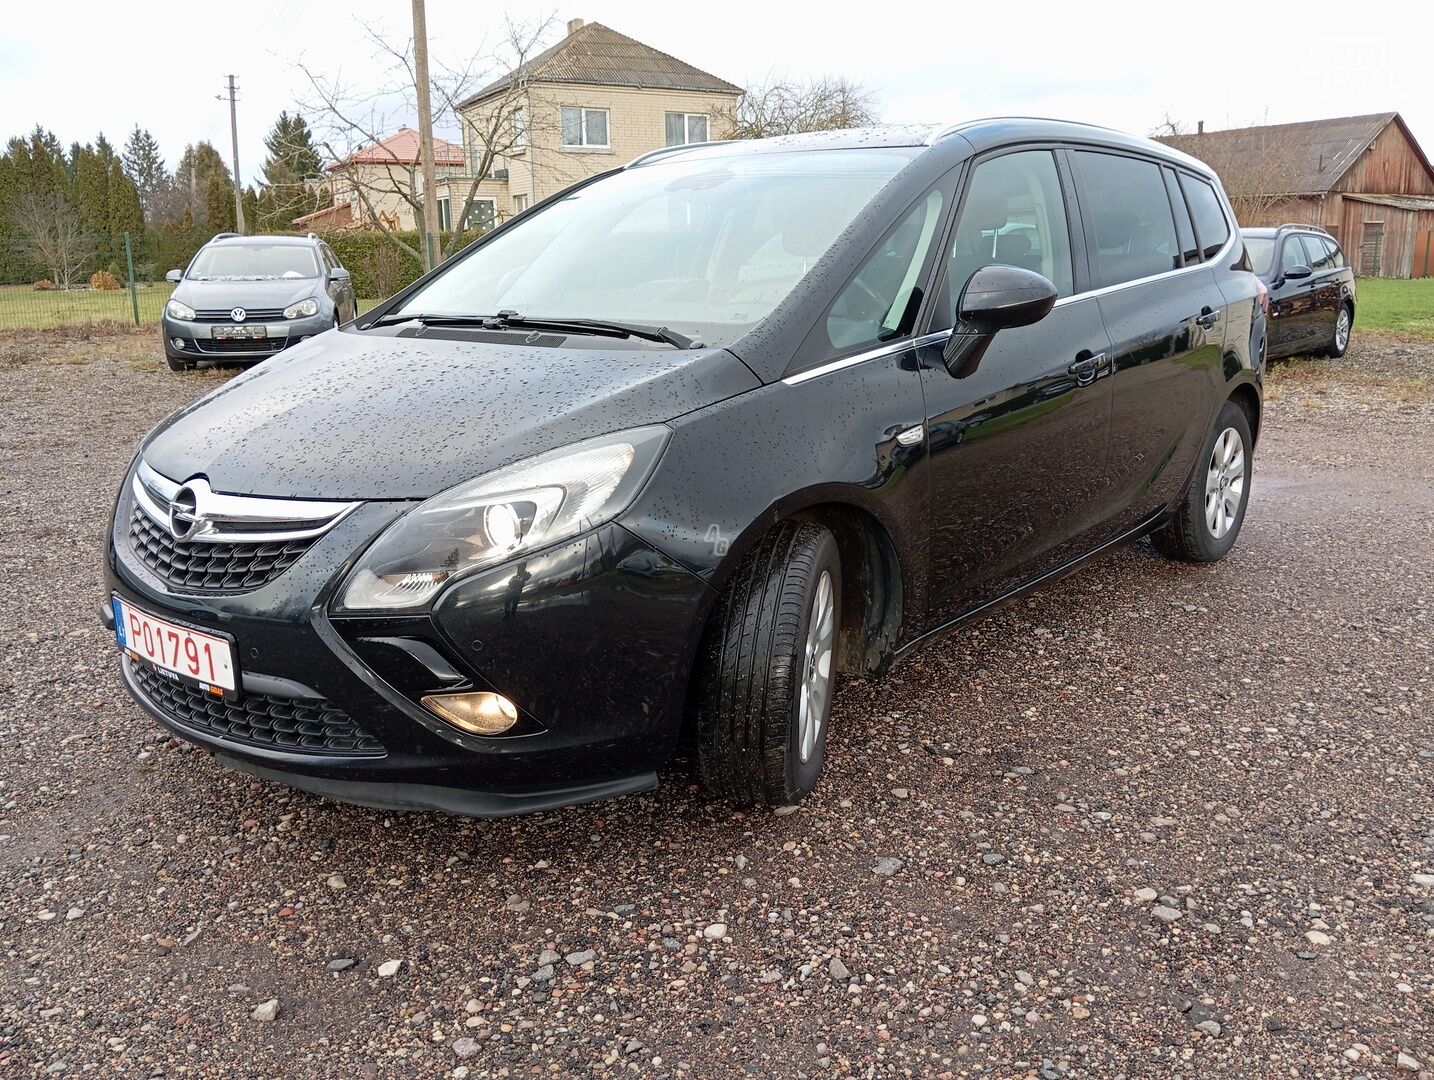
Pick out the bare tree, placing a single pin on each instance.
(1253, 161)
(785, 107)
(347, 121)
(53, 235)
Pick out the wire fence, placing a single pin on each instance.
(101, 297)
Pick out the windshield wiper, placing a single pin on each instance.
(511, 320)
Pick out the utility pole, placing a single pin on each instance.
(234, 139)
(425, 137)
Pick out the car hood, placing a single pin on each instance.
(223, 295)
(349, 415)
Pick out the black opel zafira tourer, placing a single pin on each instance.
(662, 455)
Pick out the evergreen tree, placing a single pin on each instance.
(144, 165)
(219, 203)
(293, 160)
(200, 168)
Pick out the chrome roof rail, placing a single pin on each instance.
(663, 151)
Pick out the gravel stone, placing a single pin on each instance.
(887, 866)
(266, 1011)
(1166, 914)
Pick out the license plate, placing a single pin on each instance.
(239, 333)
(191, 656)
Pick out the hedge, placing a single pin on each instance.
(378, 266)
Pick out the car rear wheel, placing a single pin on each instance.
(1209, 518)
(1339, 338)
(768, 667)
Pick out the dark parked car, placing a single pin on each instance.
(660, 457)
(244, 298)
(1311, 289)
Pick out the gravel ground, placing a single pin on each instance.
(1156, 821)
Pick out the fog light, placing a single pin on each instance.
(177, 342)
(476, 712)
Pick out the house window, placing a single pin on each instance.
(683, 128)
(520, 128)
(445, 215)
(480, 215)
(520, 203)
(584, 128)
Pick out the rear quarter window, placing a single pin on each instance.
(1211, 227)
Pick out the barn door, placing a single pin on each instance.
(1371, 249)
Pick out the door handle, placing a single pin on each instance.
(1087, 365)
(1207, 318)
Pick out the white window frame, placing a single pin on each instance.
(583, 111)
(520, 203)
(519, 119)
(445, 214)
(687, 118)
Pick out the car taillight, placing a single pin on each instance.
(1264, 294)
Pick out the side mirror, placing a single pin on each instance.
(996, 298)
(174, 276)
(1297, 273)
(338, 273)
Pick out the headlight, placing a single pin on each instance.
(175, 310)
(302, 309)
(518, 508)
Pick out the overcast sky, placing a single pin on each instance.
(1123, 65)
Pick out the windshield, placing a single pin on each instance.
(706, 247)
(253, 262)
(1262, 253)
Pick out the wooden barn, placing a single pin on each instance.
(1363, 178)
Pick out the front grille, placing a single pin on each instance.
(203, 566)
(242, 345)
(296, 725)
(250, 314)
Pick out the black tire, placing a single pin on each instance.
(1188, 536)
(750, 680)
(1334, 348)
(180, 363)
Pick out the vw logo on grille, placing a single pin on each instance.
(184, 519)
(238, 314)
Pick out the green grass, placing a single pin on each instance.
(1396, 306)
(24, 308)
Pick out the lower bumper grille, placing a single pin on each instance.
(240, 345)
(294, 725)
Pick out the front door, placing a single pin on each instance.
(1017, 450)
(1292, 301)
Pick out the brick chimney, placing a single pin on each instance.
(574, 25)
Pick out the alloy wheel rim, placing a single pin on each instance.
(1341, 329)
(814, 694)
(1224, 483)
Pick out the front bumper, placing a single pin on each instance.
(592, 638)
(194, 340)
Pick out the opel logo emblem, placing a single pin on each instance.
(238, 314)
(184, 519)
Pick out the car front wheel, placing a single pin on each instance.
(764, 689)
(1208, 519)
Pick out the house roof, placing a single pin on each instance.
(1307, 158)
(401, 148)
(595, 54)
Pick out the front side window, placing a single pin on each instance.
(683, 128)
(1134, 232)
(707, 246)
(1210, 224)
(881, 300)
(585, 128)
(254, 262)
(1014, 213)
(1293, 255)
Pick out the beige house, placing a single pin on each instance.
(373, 187)
(594, 101)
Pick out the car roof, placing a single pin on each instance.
(980, 134)
(242, 241)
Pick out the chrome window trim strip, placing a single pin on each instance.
(307, 518)
(862, 357)
(1204, 264)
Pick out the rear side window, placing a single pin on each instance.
(1210, 224)
(1335, 254)
(1130, 218)
(1321, 251)
(1184, 230)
